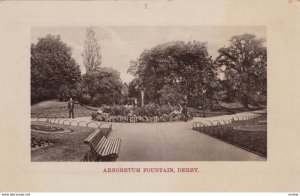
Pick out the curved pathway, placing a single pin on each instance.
(174, 141)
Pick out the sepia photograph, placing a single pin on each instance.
(149, 96)
(151, 93)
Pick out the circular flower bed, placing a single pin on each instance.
(48, 128)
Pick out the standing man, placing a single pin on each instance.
(184, 109)
(185, 113)
(71, 108)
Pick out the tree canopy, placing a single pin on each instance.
(52, 66)
(244, 63)
(184, 67)
(103, 85)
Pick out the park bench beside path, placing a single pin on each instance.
(101, 148)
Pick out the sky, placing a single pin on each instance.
(122, 44)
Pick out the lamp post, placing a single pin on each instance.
(142, 90)
(142, 96)
(203, 102)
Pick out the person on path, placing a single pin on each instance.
(185, 113)
(71, 108)
(184, 110)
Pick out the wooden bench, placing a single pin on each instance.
(101, 148)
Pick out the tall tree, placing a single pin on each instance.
(104, 86)
(91, 54)
(52, 66)
(132, 88)
(244, 63)
(185, 67)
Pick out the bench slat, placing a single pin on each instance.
(107, 143)
(117, 148)
(100, 145)
(89, 138)
(113, 150)
(96, 139)
(107, 149)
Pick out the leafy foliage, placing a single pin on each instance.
(145, 114)
(184, 65)
(149, 110)
(67, 91)
(52, 66)
(170, 95)
(132, 88)
(244, 63)
(103, 86)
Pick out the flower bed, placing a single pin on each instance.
(40, 142)
(105, 117)
(147, 110)
(48, 128)
(149, 113)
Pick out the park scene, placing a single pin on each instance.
(148, 94)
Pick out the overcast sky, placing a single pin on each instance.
(120, 45)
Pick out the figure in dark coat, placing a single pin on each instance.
(71, 108)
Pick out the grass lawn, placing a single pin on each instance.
(225, 109)
(59, 109)
(245, 134)
(67, 147)
(53, 107)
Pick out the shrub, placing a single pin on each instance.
(150, 110)
(85, 99)
(165, 109)
(116, 110)
(94, 115)
(40, 94)
(140, 119)
(150, 113)
(137, 111)
(97, 100)
(164, 118)
(122, 114)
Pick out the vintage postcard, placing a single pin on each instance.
(154, 93)
(149, 96)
